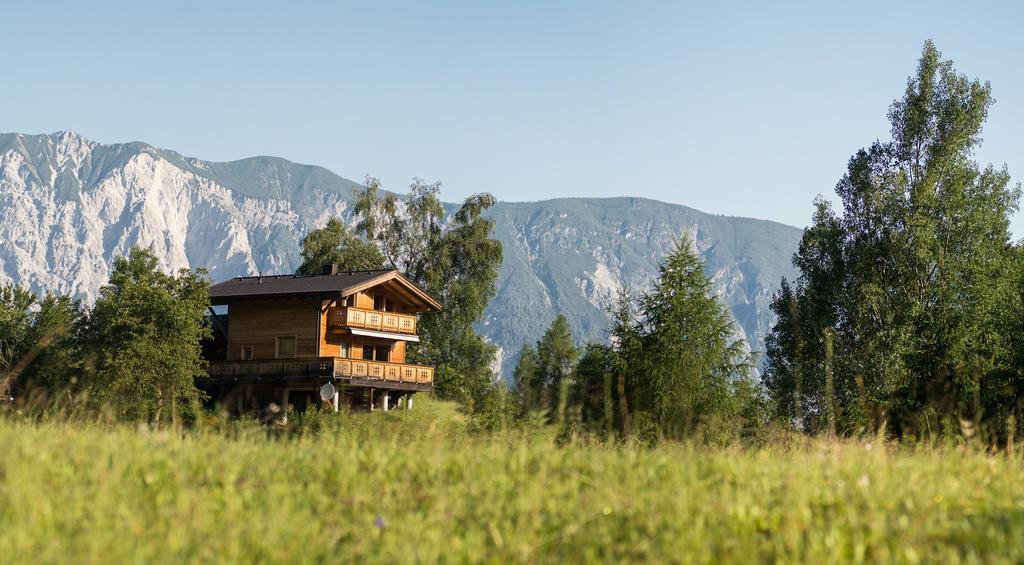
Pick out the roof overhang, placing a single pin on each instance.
(383, 335)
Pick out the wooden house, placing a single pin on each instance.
(284, 338)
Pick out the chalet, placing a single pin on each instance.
(337, 337)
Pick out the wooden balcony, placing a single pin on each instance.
(379, 370)
(352, 317)
(359, 372)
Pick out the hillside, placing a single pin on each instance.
(69, 205)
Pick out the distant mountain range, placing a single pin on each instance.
(68, 206)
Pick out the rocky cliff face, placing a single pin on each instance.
(68, 206)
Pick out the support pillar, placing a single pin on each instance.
(408, 402)
(385, 400)
(371, 400)
(284, 405)
(335, 400)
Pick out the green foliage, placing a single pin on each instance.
(37, 345)
(912, 278)
(556, 360)
(673, 368)
(144, 335)
(544, 375)
(457, 264)
(685, 364)
(334, 243)
(526, 380)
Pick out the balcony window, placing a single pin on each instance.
(286, 347)
(246, 354)
(344, 350)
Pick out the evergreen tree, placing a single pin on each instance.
(594, 392)
(144, 335)
(334, 243)
(526, 380)
(910, 278)
(556, 359)
(688, 362)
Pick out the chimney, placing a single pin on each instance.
(330, 269)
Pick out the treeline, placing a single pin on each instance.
(673, 367)
(906, 316)
(135, 353)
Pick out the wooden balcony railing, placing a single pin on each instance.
(325, 367)
(352, 317)
(396, 372)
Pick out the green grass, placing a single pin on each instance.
(416, 487)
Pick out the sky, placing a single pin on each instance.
(747, 109)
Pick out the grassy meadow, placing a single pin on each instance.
(417, 487)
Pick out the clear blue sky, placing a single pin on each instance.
(734, 108)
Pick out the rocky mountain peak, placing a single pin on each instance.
(69, 206)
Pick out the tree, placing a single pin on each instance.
(145, 334)
(556, 359)
(909, 279)
(673, 367)
(544, 375)
(37, 346)
(458, 264)
(334, 243)
(526, 380)
(687, 362)
(594, 394)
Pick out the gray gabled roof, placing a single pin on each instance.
(342, 283)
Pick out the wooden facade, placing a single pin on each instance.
(285, 337)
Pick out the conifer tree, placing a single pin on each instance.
(687, 362)
(526, 380)
(556, 359)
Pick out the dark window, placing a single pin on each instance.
(368, 352)
(286, 347)
(379, 303)
(247, 353)
(383, 352)
(344, 350)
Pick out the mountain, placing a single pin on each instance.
(68, 206)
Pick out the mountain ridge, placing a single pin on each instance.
(68, 205)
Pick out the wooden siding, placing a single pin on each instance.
(363, 300)
(396, 303)
(258, 323)
(330, 345)
(398, 352)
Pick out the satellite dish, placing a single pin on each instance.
(327, 392)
